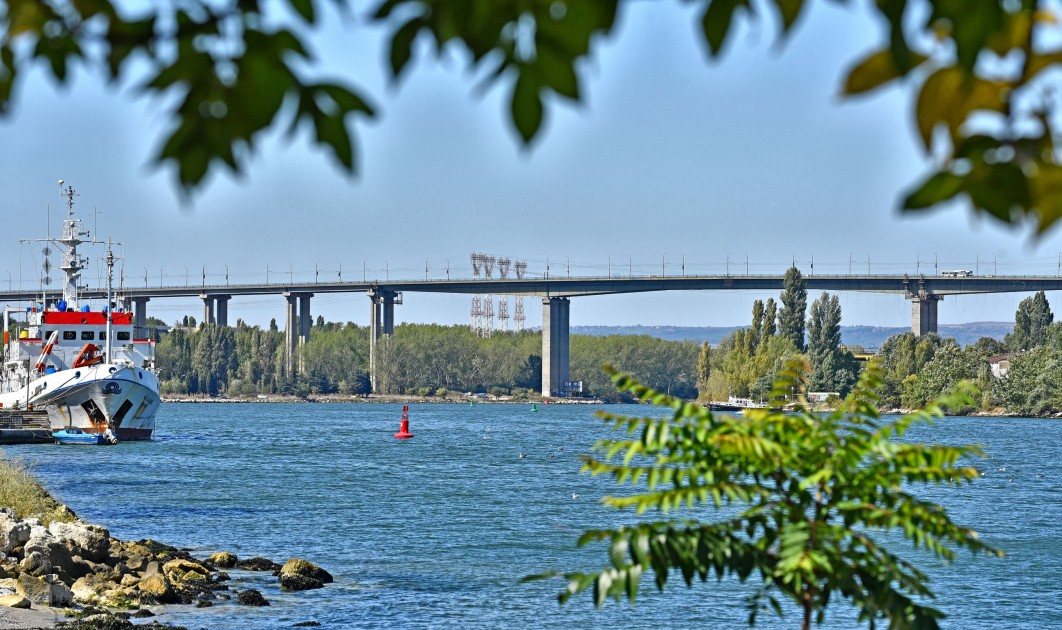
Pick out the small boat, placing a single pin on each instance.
(74, 435)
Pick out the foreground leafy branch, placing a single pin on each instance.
(808, 499)
(227, 68)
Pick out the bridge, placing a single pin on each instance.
(924, 292)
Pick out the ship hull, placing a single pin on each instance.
(122, 397)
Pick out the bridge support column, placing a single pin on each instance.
(382, 322)
(208, 308)
(140, 330)
(305, 319)
(924, 314)
(290, 338)
(221, 317)
(554, 345)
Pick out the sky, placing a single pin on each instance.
(672, 164)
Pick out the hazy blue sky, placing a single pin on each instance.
(670, 158)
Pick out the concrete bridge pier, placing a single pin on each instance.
(140, 330)
(296, 326)
(381, 322)
(208, 309)
(554, 345)
(221, 308)
(924, 314)
(289, 332)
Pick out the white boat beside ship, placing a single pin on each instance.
(84, 366)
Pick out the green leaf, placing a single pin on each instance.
(526, 107)
(303, 8)
(402, 45)
(1046, 186)
(999, 189)
(716, 22)
(789, 11)
(940, 187)
(876, 70)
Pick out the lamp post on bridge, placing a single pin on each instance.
(663, 265)
(630, 272)
(728, 263)
(747, 264)
(161, 269)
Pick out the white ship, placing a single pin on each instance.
(85, 366)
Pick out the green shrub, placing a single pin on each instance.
(21, 492)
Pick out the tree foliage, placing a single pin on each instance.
(417, 359)
(794, 299)
(1031, 322)
(810, 505)
(229, 71)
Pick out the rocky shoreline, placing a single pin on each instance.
(71, 574)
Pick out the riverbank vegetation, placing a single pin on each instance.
(22, 493)
(421, 359)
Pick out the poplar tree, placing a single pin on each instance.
(757, 324)
(824, 342)
(770, 313)
(704, 368)
(794, 300)
(1030, 323)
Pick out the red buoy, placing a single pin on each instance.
(403, 429)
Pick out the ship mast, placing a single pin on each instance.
(109, 315)
(71, 237)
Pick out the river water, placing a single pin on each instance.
(436, 531)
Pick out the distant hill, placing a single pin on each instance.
(866, 336)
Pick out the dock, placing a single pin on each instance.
(25, 427)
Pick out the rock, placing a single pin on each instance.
(251, 597)
(143, 613)
(135, 563)
(88, 589)
(36, 563)
(88, 541)
(161, 551)
(222, 560)
(157, 586)
(307, 624)
(13, 532)
(296, 582)
(41, 593)
(14, 601)
(186, 570)
(152, 568)
(204, 603)
(298, 566)
(258, 564)
(129, 580)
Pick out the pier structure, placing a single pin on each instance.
(924, 293)
(381, 322)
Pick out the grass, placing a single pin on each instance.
(21, 492)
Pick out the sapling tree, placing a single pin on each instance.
(810, 505)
